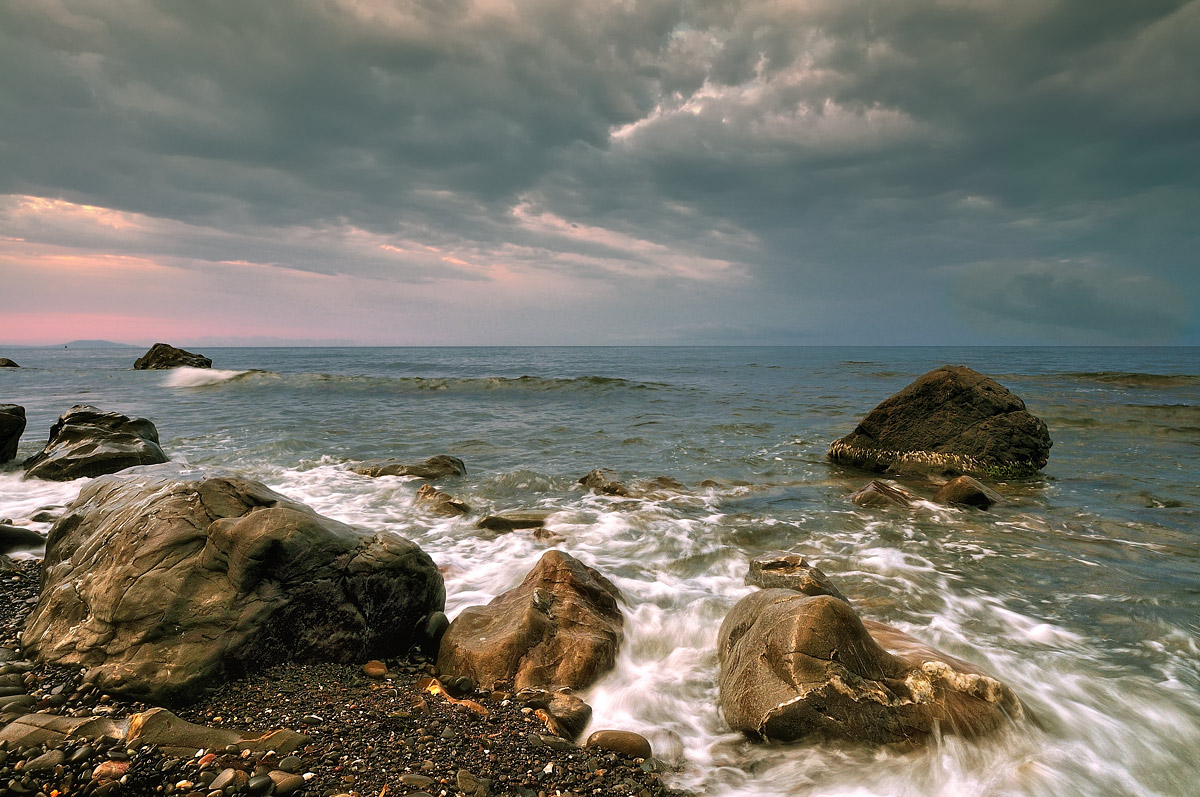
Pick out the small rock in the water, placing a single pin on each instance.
(440, 503)
(164, 355)
(602, 482)
(435, 467)
(375, 669)
(879, 493)
(968, 492)
(783, 570)
(512, 521)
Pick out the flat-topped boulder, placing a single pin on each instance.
(783, 570)
(951, 420)
(559, 628)
(12, 426)
(162, 356)
(85, 441)
(7, 363)
(795, 666)
(513, 520)
(436, 467)
(163, 589)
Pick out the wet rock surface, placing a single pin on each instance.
(434, 500)
(163, 588)
(966, 491)
(881, 494)
(794, 667)
(560, 627)
(16, 538)
(436, 467)
(12, 426)
(950, 420)
(85, 441)
(163, 355)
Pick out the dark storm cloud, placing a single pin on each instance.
(803, 144)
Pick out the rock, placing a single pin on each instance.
(12, 426)
(162, 728)
(164, 589)
(560, 627)
(162, 355)
(879, 493)
(967, 491)
(602, 482)
(375, 669)
(7, 363)
(511, 521)
(565, 714)
(472, 785)
(110, 770)
(34, 730)
(794, 666)
(433, 468)
(626, 743)
(85, 441)
(15, 538)
(434, 500)
(46, 762)
(228, 777)
(429, 632)
(951, 420)
(782, 570)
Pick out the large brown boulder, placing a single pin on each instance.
(560, 627)
(12, 426)
(951, 420)
(796, 666)
(164, 589)
(162, 355)
(85, 441)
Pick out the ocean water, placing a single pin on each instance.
(1081, 591)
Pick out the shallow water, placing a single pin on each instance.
(1082, 591)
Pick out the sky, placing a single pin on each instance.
(625, 172)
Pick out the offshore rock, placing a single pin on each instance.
(782, 570)
(795, 666)
(12, 426)
(164, 589)
(879, 493)
(162, 355)
(601, 480)
(435, 467)
(951, 420)
(439, 503)
(518, 519)
(85, 441)
(968, 492)
(7, 363)
(560, 627)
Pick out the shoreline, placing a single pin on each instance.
(368, 736)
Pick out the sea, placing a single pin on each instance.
(1081, 590)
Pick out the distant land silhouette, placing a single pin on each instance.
(97, 344)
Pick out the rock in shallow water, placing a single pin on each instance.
(12, 426)
(560, 627)
(952, 419)
(968, 492)
(85, 441)
(165, 588)
(435, 467)
(782, 570)
(794, 666)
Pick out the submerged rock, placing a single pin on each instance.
(164, 589)
(782, 570)
(85, 441)
(951, 420)
(162, 355)
(794, 666)
(518, 519)
(435, 467)
(434, 500)
(601, 480)
(968, 492)
(879, 493)
(12, 426)
(560, 627)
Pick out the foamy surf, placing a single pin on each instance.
(199, 377)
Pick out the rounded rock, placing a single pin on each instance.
(626, 743)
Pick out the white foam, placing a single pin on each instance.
(199, 377)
